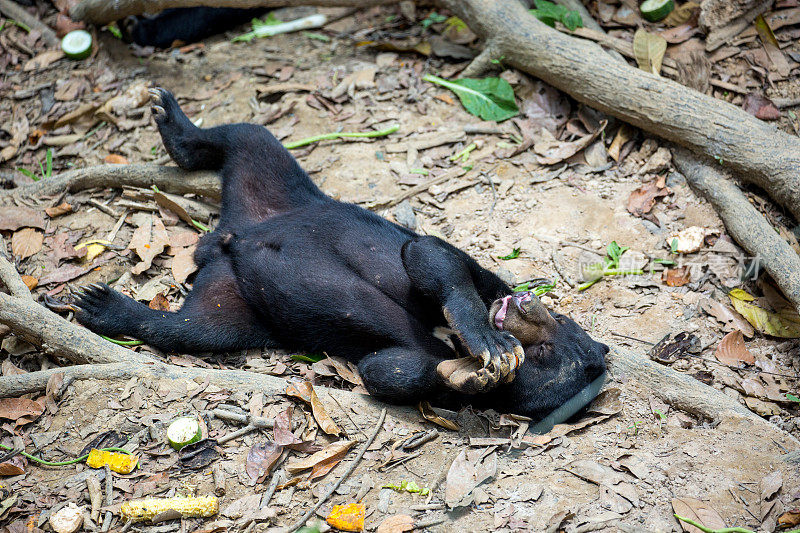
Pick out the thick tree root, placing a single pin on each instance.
(53, 334)
(743, 221)
(168, 179)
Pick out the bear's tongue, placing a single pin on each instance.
(500, 315)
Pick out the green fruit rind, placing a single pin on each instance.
(655, 10)
(183, 431)
(77, 44)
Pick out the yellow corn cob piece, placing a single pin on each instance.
(118, 462)
(188, 507)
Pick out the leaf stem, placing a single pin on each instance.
(123, 343)
(339, 135)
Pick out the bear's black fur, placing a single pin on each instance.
(185, 24)
(288, 266)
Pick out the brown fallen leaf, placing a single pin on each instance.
(679, 34)
(771, 484)
(731, 319)
(26, 242)
(115, 108)
(159, 302)
(430, 415)
(551, 151)
(29, 281)
(469, 469)
(698, 511)
(13, 467)
(62, 209)
(761, 107)
(261, 459)
(116, 159)
(772, 47)
(648, 50)
(14, 218)
(43, 60)
(148, 240)
(399, 523)
(183, 264)
(69, 272)
(543, 105)
(19, 133)
(624, 134)
(789, 518)
(732, 351)
(16, 408)
(305, 391)
(322, 461)
(642, 200)
(676, 277)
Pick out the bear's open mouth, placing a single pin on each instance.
(518, 298)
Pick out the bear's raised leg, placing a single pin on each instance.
(442, 272)
(260, 178)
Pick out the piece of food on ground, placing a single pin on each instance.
(188, 507)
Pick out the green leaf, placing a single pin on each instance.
(784, 322)
(114, 30)
(792, 398)
(615, 252)
(572, 20)
(433, 18)
(487, 98)
(513, 255)
(307, 358)
(49, 159)
(28, 173)
(270, 20)
(550, 13)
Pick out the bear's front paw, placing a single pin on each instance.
(495, 356)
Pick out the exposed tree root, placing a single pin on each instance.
(169, 179)
(743, 221)
(56, 336)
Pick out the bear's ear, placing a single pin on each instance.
(524, 316)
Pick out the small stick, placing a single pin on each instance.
(103, 207)
(429, 522)
(236, 434)
(273, 486)
(253, 423)
(428, 507)
(109, 500)
(339, 135)
(303, 519)
(219, 480)
(95, 497)
(422, 187)
(419, 440)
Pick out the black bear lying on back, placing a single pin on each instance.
(288, 266)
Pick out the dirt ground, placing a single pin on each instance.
(622, 473)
